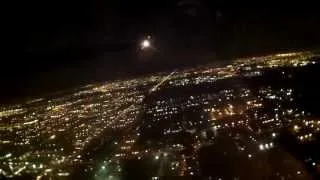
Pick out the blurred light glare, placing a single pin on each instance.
(145, 44)
(261, 147)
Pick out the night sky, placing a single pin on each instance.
(58, 45)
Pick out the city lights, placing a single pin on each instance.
(166, 119)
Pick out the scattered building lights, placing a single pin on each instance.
(60, 129)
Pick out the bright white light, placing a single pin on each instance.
(145, 44)
(53, 136)
(157, 157)
(64, 174)
(249, 155)
(261, 147)
(267, 146)
(271, 144)
(313, 164)
(8, 155)
(273, 134)
(301, 137)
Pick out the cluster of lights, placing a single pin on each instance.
(266, 146)
(305, 137)
(88, 112)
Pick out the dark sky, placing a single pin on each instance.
(58, 44)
